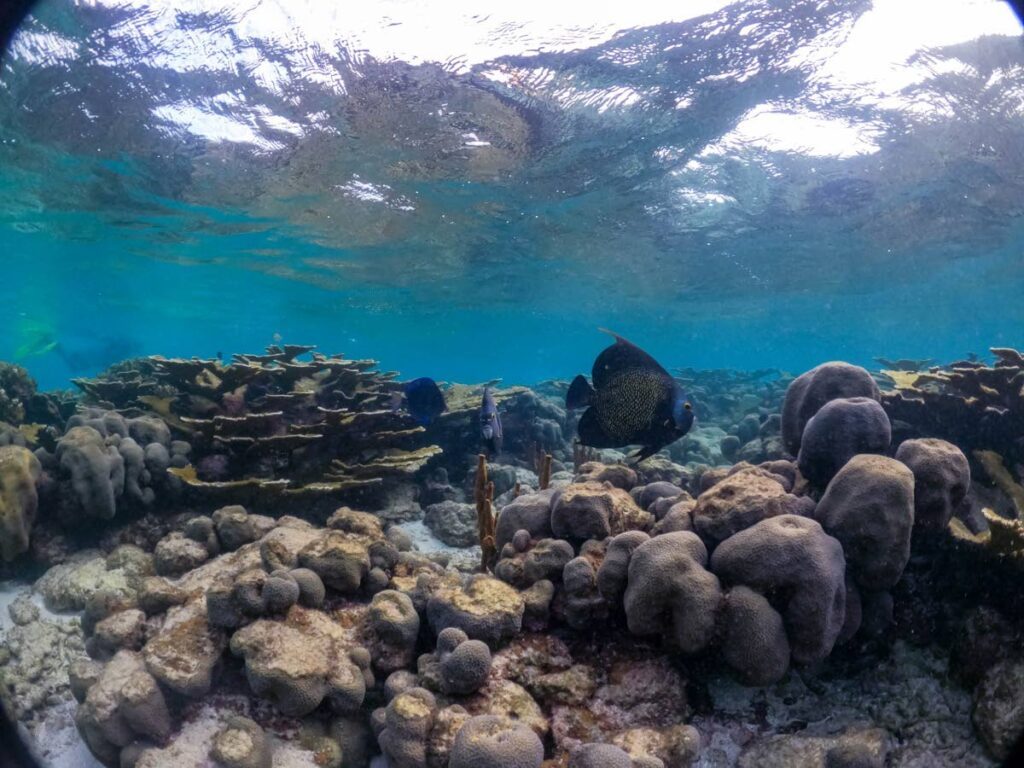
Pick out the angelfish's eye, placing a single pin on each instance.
(687, 406)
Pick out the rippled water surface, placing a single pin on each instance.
(469, 189)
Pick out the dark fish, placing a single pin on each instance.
(422, 399)
(490, 422)
(633, 401)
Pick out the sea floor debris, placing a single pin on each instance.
(259, 564)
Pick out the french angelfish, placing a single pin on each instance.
(422, 398)
(490, 422)
(633, 401)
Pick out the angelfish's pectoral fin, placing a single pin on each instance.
(644, 453)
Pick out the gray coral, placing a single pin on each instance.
(488, 741)
(670, 592)
(793, 558)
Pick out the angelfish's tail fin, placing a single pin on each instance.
(580, 393)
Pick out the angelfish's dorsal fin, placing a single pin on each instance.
(620, 356)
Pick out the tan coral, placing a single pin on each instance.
(19, 473)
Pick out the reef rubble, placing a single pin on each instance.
(260, 563)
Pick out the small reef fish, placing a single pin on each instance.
(422, 398)
(490, 422)
(633, 401)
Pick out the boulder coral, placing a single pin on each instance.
(241, 743)
(530, 512)
(739, 501)
(808, 392)
(300, 661)
(942, 477)
(754, 641)
(19, 500)
(669, 591)
(94, 472)
(841, 429)
(869, 508)
(595, 511)
(792, 559)
(488, 741)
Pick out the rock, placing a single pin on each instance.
(600, 756)
(808, 392)
(869, 508)
(942, 477)
(537, 600)
(124, 705)
(650, 493)
(618, 475)
(729, 446)
(841, 429)
(670, 592)
(575, 685)
(595, 511)
(737, 502)
(857, 748)
(485, 609)
(529, 512)
(235, 527)
(177, 554)
(494, 742)
(754, 641)
(679, 517)
(998, 713)
(791, 557)
(300, 661)
(19, 473)
(82, 674)
(23, 611)
(675, 746)
(68, 587)
(400, 538)
(241, 743)
(340, 559)
(185, 653)
(124, 629)
(453, 523)
(984, 639)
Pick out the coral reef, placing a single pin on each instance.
(545, 606)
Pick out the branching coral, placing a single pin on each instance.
(974, 406)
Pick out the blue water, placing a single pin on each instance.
(470, 193)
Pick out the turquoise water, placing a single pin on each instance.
(469, 193)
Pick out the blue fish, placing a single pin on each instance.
(633, 401)
(422, 398)
(490, 422)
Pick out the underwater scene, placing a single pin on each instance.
(512, 385)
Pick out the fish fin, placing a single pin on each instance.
(620, 356)
(618, 339)
(580, 393)
(591, 433)
(644, 453)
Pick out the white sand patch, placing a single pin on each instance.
(424, 541)
(57, 742)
